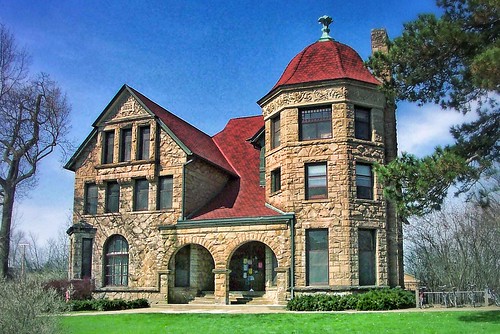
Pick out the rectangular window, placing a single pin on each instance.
(275, 132)
(108, 147)
(143, 143)
(86, 258)
(366, 248)
(126, 145)
(276, 180)
(141, 195)
(90, 199)
(362, 123)
(316, 181)
(112, 197)
(262, 167)
(165, 192)
(315, 123)
(364, 181)
(317, 256)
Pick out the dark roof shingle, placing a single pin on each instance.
(243, 196)
(325, 60)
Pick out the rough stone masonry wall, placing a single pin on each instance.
(203, 183)
(341, 213)
(222, 241)
(146, 254)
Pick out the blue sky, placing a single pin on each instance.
(204, 61)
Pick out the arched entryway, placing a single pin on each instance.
(252, 267)
(192, 273)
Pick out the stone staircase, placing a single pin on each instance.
(235, 298)
(204, 298)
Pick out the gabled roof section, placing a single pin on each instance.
(192, 140)
(195, 140)
(243, 196)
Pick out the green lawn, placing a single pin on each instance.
(383, 322)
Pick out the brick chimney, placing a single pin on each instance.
(379, 40)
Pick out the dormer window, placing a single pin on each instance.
(108, 147)
(315, 123)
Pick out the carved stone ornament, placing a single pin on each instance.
(291, 99)
(124, 180)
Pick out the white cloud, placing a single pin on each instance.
(43, 221)
(421, 129)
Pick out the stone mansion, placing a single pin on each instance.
(274, 205)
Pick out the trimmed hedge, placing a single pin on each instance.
(107, 304)
(373, 300)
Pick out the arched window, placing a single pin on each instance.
(116, 261)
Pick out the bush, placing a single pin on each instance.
(23, 305)
(80, 289)
(107, 304)
(381, 299)
(385, 299)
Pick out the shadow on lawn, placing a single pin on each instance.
(487, 316)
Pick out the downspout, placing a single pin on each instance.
(292, 269)
(183, 212)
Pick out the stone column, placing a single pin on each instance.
(163, 282)
(282, 283)
(221, 292)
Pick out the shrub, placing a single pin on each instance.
(23, 304)
(107, 304)
(380, 299)
(80, 289)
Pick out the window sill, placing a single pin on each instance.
(124, 163)
(319, 200)
(277, 192)
(120, 288)
(366, 200)
(151, 211)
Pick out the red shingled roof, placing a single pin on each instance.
(194, 139)
(325, 60)
(242, 197)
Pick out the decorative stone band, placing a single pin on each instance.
(342, 91)
(295, 98)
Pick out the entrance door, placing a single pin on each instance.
(248, 272)
(182, 266)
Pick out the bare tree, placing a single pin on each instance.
(34, 118)
(456, 246)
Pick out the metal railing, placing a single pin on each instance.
(452, 298)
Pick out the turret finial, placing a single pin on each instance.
(325, 20)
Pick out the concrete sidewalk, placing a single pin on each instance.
(260, 309)
(195, 308)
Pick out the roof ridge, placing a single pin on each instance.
(169, 112)
(225, 155)
(341, 63)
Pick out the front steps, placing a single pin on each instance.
(235, 298)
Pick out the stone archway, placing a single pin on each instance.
(191, 268)
(252, 267)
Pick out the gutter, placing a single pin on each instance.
(183, 213)
(292, 269)
(291, 216)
